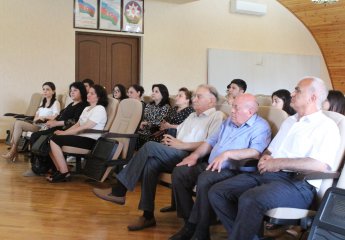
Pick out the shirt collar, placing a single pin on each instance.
(309, 117)
(208, 112)
(249, 122)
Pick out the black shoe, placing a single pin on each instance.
(185, 233)
(205, 235)
(168, 209)
(60, 177)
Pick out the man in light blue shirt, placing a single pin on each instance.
(243, 135)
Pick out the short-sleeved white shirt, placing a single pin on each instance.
(198, 128)
(315, 136)
(95, 114)
(51, 111)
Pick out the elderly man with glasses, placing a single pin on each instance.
(154, 158)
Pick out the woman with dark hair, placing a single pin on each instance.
(154, 113)
(281, 99)
(88, 83)
(119, 92)
(93, 117)
(67, 117)
(335, 102)
(135, 91)
(48, 110)
(176, 115)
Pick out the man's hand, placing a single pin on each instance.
(268, 164)
(218, 162)
(172, 142)
(190, 161)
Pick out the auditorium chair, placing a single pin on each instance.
(80, 152)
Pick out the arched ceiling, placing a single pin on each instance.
(327, 24)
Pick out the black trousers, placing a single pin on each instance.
(184, 179)
(74, 141)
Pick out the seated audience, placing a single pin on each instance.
(154, 113)
(93, 117)
(281, 99)
(243, 135)
(335, 102)
(88, 83)
(176, 115)
(235, 88)
(67, 117)
(154, 158)
(306, 141)
(48, 110)
(119, 92)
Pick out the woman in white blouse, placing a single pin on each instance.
(48, 110)
(93, 117)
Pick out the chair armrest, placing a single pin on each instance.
(120, 135)
(245, 165)
(11, 114)
(22, 116)
(93, 131)
(317, 175)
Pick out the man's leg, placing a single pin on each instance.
(277, 190)
(184, 179)
(202, 212)
(166, 161)
(163, 161)
(223, 197)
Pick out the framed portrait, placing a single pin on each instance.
(86, 14)
(133, 16)
(110, 15)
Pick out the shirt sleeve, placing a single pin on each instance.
(98, 114)
(261, 137)
(56, 108)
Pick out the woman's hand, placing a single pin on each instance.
(172, 142)
(164, 125)
(59, 132)
(143, 124)
(51, 123)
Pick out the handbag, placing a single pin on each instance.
(41, 146)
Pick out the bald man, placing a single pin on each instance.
(306, 141)
(243, 135)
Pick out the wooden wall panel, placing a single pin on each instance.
(327, 24)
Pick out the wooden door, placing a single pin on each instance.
(108, 59)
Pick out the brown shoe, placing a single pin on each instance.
(106, 195)
(142, 223)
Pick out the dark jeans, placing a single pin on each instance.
(151, 159)
(184, 179)
(241, 202)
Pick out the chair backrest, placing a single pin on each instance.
(111, 112)
(127, 120)
(274, 116)
(35, 101)
(147, 99)
(225, 108)
(263, 100)
(339, 119)
(329, 220)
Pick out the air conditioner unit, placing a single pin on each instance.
(248, 7)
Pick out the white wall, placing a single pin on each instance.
(37, 42)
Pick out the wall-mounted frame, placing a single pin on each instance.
(110, 15)
(133, 16)
(86, 14)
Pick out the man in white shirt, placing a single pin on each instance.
(306, 141)
(154, 158)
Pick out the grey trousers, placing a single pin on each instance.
(151, 159)
(184, 179)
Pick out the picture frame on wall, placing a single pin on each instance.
(133, 16)
(110, 15)
(86, 14)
